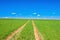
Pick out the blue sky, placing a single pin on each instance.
(30, 8)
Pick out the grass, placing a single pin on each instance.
(50, 29)
(9, 25)
(26, 34)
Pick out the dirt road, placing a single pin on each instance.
(36, 34)
(16, 31)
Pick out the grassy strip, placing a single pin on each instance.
(26, 34)
(50, 29)
(9, 25)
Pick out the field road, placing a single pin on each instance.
(36, 34)
(16, 31)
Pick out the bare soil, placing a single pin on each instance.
(36, 34)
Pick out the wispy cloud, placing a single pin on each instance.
(5, 17)
(34, 13)
(13, 13)
(38, 15)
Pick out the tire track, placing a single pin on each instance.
(15, 32)
(36, 34)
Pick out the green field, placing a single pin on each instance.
(27, 33)
(49, 29)
(9, 25)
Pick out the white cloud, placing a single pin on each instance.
(34, 13)
(38, 15)
(13, 13)
(5, 17)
